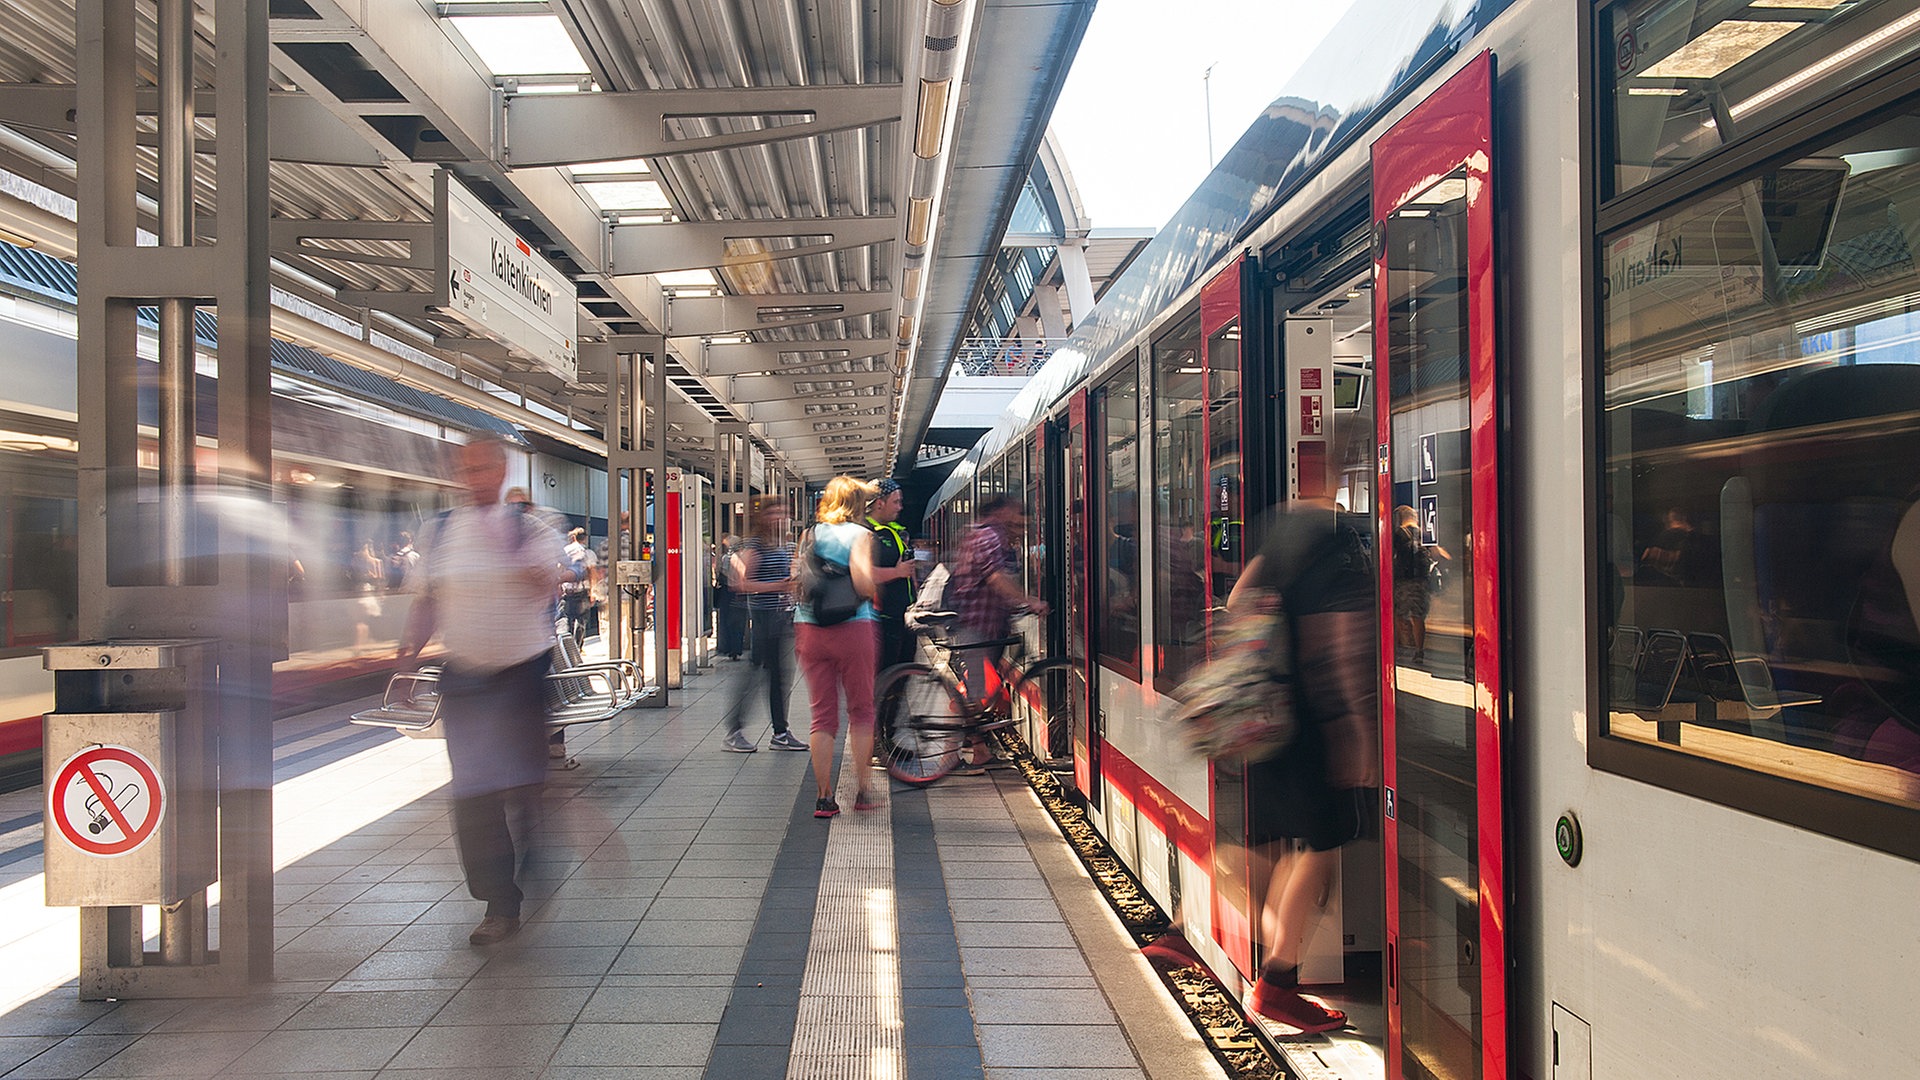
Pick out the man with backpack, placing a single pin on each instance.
(576, 596)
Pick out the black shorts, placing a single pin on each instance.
(1292, 800)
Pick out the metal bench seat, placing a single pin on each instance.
(578, 692)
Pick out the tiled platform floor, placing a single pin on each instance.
(687, 918)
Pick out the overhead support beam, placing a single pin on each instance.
(787, 429)
(698, 245)
(576, 129)
(777, 387)
(702, 316)
(300, 129)
(300, 237)
(775, 357)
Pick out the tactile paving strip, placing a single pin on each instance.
(849, 1026)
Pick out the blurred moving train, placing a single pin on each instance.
(1619, 301)
(358, 463)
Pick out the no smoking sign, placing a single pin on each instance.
(106, 800)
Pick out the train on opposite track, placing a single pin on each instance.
(358, 466)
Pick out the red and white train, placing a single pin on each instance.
(1619, 300)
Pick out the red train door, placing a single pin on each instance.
(1224, 467)
(1086, 728)
(1441, 693)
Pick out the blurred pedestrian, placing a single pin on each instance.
(984, 591)
(1313, 797)
(487, 583)
(576, 595)
(762, 571)
(838, 658)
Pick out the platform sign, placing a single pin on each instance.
(499, 286)
(106, 800)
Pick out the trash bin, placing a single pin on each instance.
(130, 773)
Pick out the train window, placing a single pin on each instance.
(1689, 76)
(1226, 510)
(1016, 460)
(1118, 417)
(1180, 521)
(1761, 486)
(42, 563)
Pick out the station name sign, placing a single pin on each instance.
(497, 285)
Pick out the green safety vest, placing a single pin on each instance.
(902, 546)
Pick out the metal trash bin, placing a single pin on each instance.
(130, 773)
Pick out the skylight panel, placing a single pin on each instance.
(625, 165)
(628, 195)
(521, 44)
(688, 279)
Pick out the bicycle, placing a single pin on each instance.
(925, 715)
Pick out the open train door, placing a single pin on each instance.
(1442, 705)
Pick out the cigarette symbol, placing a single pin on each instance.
(98, 816)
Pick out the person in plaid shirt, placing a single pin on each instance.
(984, 591)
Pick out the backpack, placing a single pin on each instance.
(1239, 704)
(826, 588)
(930, 602)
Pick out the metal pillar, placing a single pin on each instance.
(177, 567)
(629, 463)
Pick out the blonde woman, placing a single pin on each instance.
(838, 659)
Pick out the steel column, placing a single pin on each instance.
(160, 572)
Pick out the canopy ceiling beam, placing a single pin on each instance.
(776, 357)
(703, 316)
(699, 245)
(576, 129)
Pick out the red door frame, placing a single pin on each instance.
(1086, 757)
(1452, 129)
(1220, 304)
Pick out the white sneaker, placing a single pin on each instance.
(786, 741)
(739, 744)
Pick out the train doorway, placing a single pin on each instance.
(1437, 520)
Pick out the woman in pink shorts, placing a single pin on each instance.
(839, 658)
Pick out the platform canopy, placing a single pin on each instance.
(804, 199)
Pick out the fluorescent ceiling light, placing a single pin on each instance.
(1831, 62)
(628, 195)
(1720, 49)
(688, 279)
(1820, 5)
(522, 44)
(625, 165)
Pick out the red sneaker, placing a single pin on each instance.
(1289, 1008)
(1171, 949)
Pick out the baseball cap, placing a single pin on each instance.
(886, 487)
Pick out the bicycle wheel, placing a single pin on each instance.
(919, 724)
(1043, 693)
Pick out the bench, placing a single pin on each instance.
(578, 692)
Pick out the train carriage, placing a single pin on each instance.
(1614, 305)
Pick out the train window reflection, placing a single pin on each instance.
(1762, 484)
(1690, 76)
(1180, 586)
(1119, 520)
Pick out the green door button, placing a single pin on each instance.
(1566, 838)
